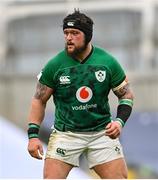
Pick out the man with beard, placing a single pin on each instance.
(80, 79)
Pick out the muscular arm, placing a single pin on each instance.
(125, 97)
(38, 103)
(124, 92)
(36, 116)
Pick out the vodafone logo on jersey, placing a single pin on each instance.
(84, 94)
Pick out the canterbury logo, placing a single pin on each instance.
(61, 151)
(64, 80)
(70, 23)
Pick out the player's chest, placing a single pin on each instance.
(96, 78)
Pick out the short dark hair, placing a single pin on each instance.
(79, 21)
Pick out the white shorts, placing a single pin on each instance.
(98, 148)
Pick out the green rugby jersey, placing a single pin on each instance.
(81, 89)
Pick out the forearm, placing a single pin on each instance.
(124, 108)
(37, 111)
(125, 97)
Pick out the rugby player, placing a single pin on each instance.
(80, 78)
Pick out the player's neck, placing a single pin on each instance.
(85, 53)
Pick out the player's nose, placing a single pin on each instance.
(69, 36)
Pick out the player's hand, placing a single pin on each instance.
(35, 148)
(113, 129)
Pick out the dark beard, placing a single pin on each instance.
(76, 51)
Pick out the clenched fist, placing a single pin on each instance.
(113, 129)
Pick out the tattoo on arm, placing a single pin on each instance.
(120, 93)
(40, 91)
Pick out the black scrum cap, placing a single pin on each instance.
(79, 21)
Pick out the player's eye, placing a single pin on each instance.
(66, 33)
(75, 33)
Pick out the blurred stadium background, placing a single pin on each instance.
(31, 33)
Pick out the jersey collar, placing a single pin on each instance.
(84, 60)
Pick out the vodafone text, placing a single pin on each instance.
(84, 107)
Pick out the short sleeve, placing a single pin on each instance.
(117, 73)
(46, 76)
